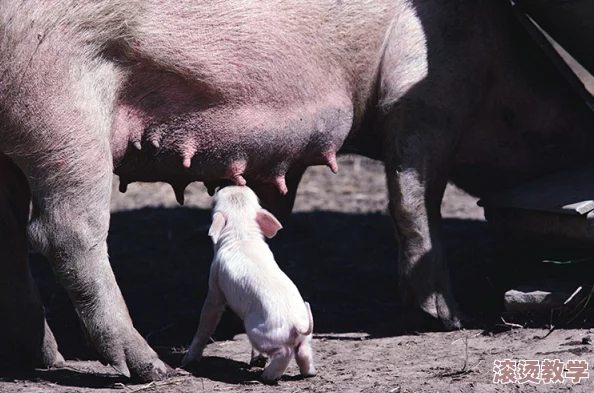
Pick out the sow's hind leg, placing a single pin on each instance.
(25, 338)
(63, 148)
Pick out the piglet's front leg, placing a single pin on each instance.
(257, 359)
(209, 319)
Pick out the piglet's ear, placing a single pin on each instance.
(218, 223)
(268, 223)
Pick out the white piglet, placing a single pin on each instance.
(245, 276)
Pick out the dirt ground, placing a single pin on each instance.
(339, 249)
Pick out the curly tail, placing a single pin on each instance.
(310, 328)
(295, 332)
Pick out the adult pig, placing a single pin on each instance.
(157, 91)
(253, 92)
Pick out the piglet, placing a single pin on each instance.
(245, 276)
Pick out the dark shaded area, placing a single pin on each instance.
(67, 377)
(226, 370)
(569, 22)
(551, 262)
(343, 264)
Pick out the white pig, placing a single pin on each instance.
(245, 276)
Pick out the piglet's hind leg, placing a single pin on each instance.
(278, 364)
(304, 358)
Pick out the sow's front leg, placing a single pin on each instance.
(69, 226)
(63, 148)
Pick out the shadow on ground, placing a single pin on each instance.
(68, 377)
(343, 264)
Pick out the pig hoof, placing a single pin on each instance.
(134, 358)
(453, 323)
(258, 361)
(458, 321)
(419, 320)
(46, 358)
(449, 315)
(268, 380)
(150, 372)
(270, 376)
(157, 372)
(439, 312)
(53, 359)
(30, 348)
(50, 356)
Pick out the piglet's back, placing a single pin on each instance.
(254, 283)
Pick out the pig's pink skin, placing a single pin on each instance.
(248, 92)
(255, 92)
